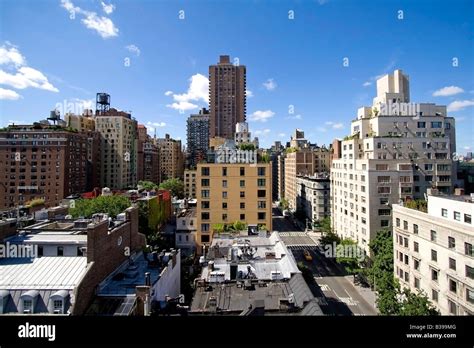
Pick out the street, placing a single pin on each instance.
(335, 293)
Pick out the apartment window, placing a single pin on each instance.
(467, 218)
(205, 204)
(468, 249)
(383, 179)
(262, 204)
(27, 306)
(433, 236)
(469, 295)
(224, 183)
(436, 124)
(405, 225)
(444, 212)
(242, 183)
(242, 194)
(224, 205)
(451, 243)
(204, 182)
(381, 166)
(242, 171)
(224, 194)
(261, 193)
(383, 201)
(242, 205)
(434, 295)
(397, 221)
(434, 255)
(205, 171)
(452, 264)
(416, 264)
(415, 228)
(205, 193)
(262, 216)
(416, 283)
(469, 272)
(457, 216)
(242, 217)
(261, 182)
(453, 286)
(453, 308)
(407, 277)
(224, 217)
(384, 223)
(406, 259)
(434, 275)
(383, 189)
(224, 171)
(58, 306)
(205, 215)
(421, 125)
(261, 171)
(204, 227)
(205, 239)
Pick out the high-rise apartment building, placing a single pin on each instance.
(230, 192)
(302, 158)
(148, 160)
(119, 148)
(243, 135)
(197, 138)
(41, 161)
(227, 102)
(171, 158)
(313, 197)
(434, 251)
(396, 151)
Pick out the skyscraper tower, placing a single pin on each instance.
(227, 85)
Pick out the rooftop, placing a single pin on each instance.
(41, 273)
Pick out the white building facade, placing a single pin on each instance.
(312, 197)
(396, 151)
(433, 252)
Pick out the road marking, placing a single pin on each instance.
(325, 287)
(348, 301)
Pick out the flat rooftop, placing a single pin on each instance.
(41, 273)
(49, 238)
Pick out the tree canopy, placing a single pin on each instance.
(111, 205)
(175, 186)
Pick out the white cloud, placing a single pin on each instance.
(102, 25)
(198, 91)
(263, 132)
(10, 55)
(458, 105)
(133, 49)
(248, 93)
(367, 83)
(321, 129)
(157, 124)
(108, 8)
(270, 85)
(281, 135)
(8, 94)
(261, 116)
(26, 77)
(447, 91)
(467, 148)
(334, 125)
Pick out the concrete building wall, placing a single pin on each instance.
(220, 196)
(434, 255)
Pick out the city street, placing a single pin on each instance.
(335, 292)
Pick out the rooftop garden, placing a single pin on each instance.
(417, 204)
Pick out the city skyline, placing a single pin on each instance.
(296, 74)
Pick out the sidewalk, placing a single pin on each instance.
(366, 293)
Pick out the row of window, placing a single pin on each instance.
(457, 216)
(207, 183)
(207, 193)
(207, 216)
(205, 171)
(260, 205)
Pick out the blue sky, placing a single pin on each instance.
(60, 52)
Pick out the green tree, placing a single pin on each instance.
(175, 186)
(239, 226)
(325, 224)
(284, 204)
(148, 185)
(347, 254)
(111, 205)
(247, 147)
(218, 228)
(416, 304)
